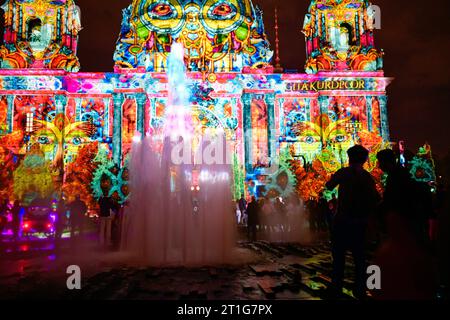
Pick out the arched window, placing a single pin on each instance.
(346, 34)
(34, 30)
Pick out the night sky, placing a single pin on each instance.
(414, 35)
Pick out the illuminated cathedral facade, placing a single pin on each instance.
(71, 131)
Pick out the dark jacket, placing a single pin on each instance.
(358, 195)
(242, 205)
(77, 210)
(253, 212)
(106, 204)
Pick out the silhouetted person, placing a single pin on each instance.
(313, 217)
(443, 244)
(281, 214)
(406, 197)
(332, 211)
(357, 198)
(406, 266)
(267, 213)
(16, 218)
(324, 213)
(242, 203)
(3, 215)
(106, 210)
(261, 203)
(4, 207)
(253, 213)
(77, 214)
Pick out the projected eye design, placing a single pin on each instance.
(223, 11)
(340, 138)
(310, 140)
(224, 16)
(162, 16)
(43, 140)
(162, 10)
(77, 141)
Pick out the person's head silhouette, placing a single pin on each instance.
(357, 155)
(387, 160)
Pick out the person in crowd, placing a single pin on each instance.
(16, 218)
(403, 196)
(237, 212)
(78, 211)
(4, 206)
(443, 242)
(253, 213)
(312, 207)
(358, 197)
(267, 213)
(116, 218)
(4, 209)
(402, 257)
(323, 210)
(117, 223)
(106, 214)
(281, 214)
(332, 211)
(291, 209)
(261, 204)
(242, 203)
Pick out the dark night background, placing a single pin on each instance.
(414, 36)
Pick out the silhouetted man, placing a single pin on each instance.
(242, 207)
(324, 213)
(253, 213)
(106, 210)
(409, 199)
(77, 213)
(16, 218)
(357, 198)
(3, 214)
(402, 257)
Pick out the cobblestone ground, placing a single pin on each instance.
(276, 271)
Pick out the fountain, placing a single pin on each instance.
(180, 212)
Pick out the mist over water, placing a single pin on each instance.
(178, 214)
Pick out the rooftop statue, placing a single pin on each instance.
(339, 36)
(40, 34)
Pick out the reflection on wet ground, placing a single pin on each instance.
(37, 268)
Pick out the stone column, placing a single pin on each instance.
(141, 100)
(369, 100)
(106, 116)
(385, 134)
(10, 119)
(118, 99)
(247, 120)
(270, 101)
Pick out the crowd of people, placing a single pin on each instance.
(401, 224)
(400, 221)
(265, 217)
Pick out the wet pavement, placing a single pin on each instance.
(37, 269)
